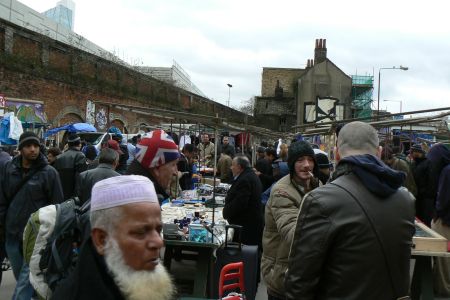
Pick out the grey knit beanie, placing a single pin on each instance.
(27, 138)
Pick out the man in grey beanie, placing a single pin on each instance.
(27, 183)
(281, 213)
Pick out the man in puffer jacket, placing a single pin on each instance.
(353, 236)
(40, 187)
(280, 215)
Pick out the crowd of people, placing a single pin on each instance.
(324, 231)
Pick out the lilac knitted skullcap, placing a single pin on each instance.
(121, 190)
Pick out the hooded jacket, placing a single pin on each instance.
(335, 253)
(42, 189)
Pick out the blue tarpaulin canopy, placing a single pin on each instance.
(76, 127)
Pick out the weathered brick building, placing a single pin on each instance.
(286, 91)
(38, 70)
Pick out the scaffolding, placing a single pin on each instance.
(362, 92)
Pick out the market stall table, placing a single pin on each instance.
(422, 280)
(204, 251)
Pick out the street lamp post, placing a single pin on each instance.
(379, 80)
(229, 91)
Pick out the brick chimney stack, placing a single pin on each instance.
(309, 63)
(320, 53)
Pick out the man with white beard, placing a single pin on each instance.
(121, 258)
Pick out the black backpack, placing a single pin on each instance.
(52, 239)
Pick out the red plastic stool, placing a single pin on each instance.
(237, 270)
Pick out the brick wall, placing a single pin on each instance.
(27, 49)
(58, 60)
(287, 77)
(64, 78)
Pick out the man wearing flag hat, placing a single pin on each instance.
(156, 158)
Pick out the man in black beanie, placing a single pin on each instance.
(281, 213)
(70, 164)
(27, 183)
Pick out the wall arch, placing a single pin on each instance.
(68, 114)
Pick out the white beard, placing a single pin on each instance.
(137, 285)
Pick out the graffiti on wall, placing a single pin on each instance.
(90, 112)
(27, 111)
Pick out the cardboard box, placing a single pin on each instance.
(210, 181)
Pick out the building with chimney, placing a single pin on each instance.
(290, 96)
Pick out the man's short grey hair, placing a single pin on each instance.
(357, 138)
(242, 160)
(106, 219)
(108, 156)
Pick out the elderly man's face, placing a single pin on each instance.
(163, 174)
(138, 235)
(236, 169)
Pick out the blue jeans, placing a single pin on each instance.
(24, 290)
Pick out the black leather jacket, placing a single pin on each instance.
(335, 253)
(69, 165)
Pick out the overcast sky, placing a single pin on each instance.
(220, 42)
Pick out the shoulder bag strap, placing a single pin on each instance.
(383, 250)
(22, 183)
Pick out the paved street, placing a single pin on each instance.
(8, 284)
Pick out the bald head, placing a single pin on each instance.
(357, 138)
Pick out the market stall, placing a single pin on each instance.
(193, 228)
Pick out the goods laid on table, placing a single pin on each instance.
(194, 217)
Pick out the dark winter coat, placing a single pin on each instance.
(266, 177)
(87, 179)
(424, 198)
(135, 168)
(335, 253)
(227, 147)
(4, 157)
(243, 207)
(122, 167)
(439, 156)
(42, 189)
(69, 165)
(89, 280)
(185, 167)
